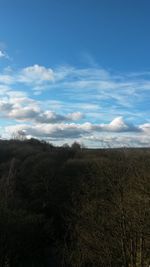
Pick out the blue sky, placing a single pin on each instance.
(76, 70)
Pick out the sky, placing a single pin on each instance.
(75, 70)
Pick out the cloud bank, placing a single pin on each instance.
(91, 105)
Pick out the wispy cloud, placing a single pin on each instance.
(3, 54)
(88, 104)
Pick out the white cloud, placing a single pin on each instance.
(119, 125)
(6, 79)
(87, 84)
(18, 106)
(72, 130)
(75, 116)
(89, 96)
(23, 113)
(2, 54)
(35, 75)
(146, 128)
(139, 140)
(55, 131)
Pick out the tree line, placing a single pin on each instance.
(72, 206)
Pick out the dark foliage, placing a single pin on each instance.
(72, 206)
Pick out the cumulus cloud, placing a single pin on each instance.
(114, 134)
(30, 114)
(56, 131)
(71, 130)
(119, 125)
(21, 108)
(90, 95)
(22, 113)
(35, 75)
(17, 106)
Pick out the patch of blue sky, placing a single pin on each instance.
(63, 57)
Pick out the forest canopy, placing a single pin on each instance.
(73, 206)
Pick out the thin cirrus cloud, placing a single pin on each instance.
(3, 54)
(91, 104)
(85, 85)
(70, 78)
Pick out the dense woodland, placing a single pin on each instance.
(72, 206)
